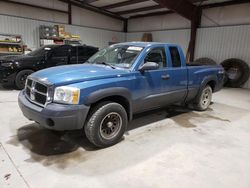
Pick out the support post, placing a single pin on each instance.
(195, 23)
(69, 12)
(125, 26)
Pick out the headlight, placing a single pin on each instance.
(67, 95)
(7, 64)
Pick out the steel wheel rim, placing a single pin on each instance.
(110, 125)
(233, 73)
(23, 78)
(206, 98)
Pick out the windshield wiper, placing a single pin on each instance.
(107, 64)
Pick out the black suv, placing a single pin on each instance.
(15, 69)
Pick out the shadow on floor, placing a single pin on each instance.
(153, 116)
(47, 142)
(69, 148)
(6, 88)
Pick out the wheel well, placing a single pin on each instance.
(22, 70)
(25, 69)
(212, 84)
(118, 99)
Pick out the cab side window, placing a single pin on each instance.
(82, 51)
(157, 55)
(62, 51)
(74, 51)
(175, 56)
(90, 51)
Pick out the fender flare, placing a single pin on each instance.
(109, 92)
(204, 82)
(208, 79)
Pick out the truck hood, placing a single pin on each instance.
(17, 58)
(69, 74)
(10, 57)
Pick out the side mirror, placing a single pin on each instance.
(149, 66)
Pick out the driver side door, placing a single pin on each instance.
(153, 84)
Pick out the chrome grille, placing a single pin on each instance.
(36, 92)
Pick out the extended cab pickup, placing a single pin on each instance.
(102, 95)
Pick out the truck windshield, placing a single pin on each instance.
(116, 56)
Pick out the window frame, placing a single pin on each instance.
(59, 48)
(165, 63)
(171, 58)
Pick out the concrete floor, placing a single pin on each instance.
(165, 148)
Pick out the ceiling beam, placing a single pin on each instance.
(214, 5)
(181, 7)
(152, 14)
(226, 3)
(94, 9)
(196, 1)
(88, 1)
(139, 10)
(122, 4)
(34, 6)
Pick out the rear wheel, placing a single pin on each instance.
(106, 125)
(21, 78)
(204, 99)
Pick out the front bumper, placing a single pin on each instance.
(54, 116)
(7, 77)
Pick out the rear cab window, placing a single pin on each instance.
(175, 56)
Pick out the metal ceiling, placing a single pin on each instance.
(138, 8)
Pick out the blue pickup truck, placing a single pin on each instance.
(103, 94)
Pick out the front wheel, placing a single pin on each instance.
(203, 99)
(106, 124)
(21, 78)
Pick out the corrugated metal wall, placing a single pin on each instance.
(180, 37)
(17, 10)
(222, 43)
(29, 29)
(218, 43)
(88, 18)
(80, 16)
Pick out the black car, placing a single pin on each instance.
(15, 69)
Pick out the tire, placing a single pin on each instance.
(237, 72)
(205, 61)
(225, 80)
(106, 125)
(21, 78)
(204, 99)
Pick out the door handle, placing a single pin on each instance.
(165, 77)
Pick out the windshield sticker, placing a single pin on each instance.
(135, 48)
